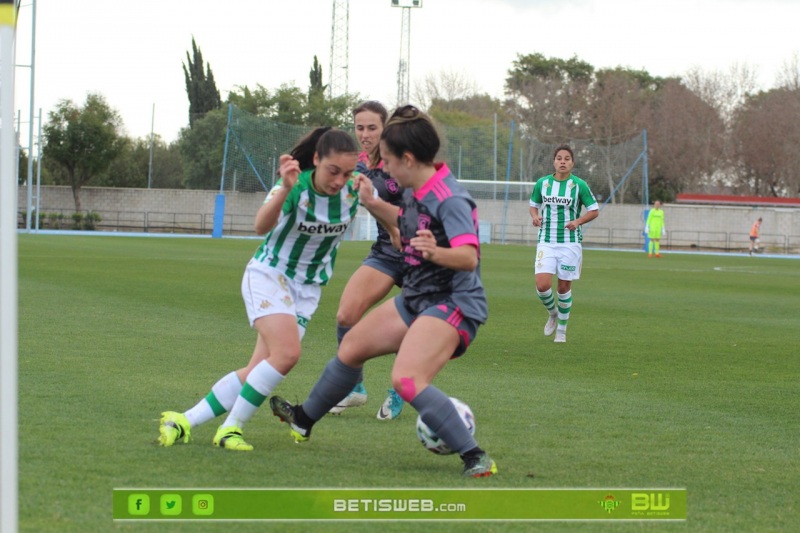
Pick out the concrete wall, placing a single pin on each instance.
(179, 211)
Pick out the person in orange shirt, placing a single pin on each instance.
(754, 231)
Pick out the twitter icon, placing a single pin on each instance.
(171, 504)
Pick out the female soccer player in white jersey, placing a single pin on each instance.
(442, 303)
(555, 208)
(382, 269)
(304, 218)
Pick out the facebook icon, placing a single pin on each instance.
(138, 504)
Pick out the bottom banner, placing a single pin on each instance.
(400, 504)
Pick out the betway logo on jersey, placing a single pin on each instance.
(321, 229)
(557, 200)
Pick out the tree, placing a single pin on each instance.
(548, 97)
(724, 91)
(22, 165)
(258, 101)
(132, 167)
(789, 76)
(470, 134)
(446, 85)
(618, 102)
(766, 134)
(317, 105)
(80, 143)
(290, 105)
(200, 86)
(202, 149)
(686, 141)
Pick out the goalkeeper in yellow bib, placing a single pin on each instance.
(654, 228)
(555, 208)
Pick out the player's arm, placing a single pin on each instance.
(269, 213)
(461, 257)
(535, 217)
(459, 218)
(588, 216)
(383, 211)
(592, 209)
(535, 203)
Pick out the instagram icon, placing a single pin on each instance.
(203, 504)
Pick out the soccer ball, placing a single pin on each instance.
(431, 440)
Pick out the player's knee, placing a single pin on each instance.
(405, 387)
(288, 357)
(347, 316)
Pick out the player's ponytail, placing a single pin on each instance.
(323, 141)
(304, 150)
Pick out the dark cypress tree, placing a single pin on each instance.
(200, 86)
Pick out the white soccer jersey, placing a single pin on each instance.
(560, 202)
(311, 226)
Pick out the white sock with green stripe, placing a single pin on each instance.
(548, 300)
(219, 401)
(564, 307)
(261, 381)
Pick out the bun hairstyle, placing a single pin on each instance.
(411, 130)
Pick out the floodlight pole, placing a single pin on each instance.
(403, 69)
(339, 74)
(30, 118)
(150, 165)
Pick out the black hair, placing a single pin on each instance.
(411, 130)
(323, 141)
(564, 147)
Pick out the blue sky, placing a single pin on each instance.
(132, 52)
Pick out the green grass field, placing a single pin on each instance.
(678, 372)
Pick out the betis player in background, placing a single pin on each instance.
(655, 229)
(555, 208)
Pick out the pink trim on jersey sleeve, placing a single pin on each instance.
(467, 238)
(441, 172)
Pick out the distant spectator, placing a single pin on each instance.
(655, 228)
(754, 233)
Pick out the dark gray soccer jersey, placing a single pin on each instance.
(389, 191)
(445, 208)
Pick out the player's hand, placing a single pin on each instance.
(572, 225)
(288, 170)
(537, 221)
(364, 187)
(424, 243)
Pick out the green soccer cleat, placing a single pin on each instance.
(230, 438)
(285, 411)
(480, 465)
(173, 428)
